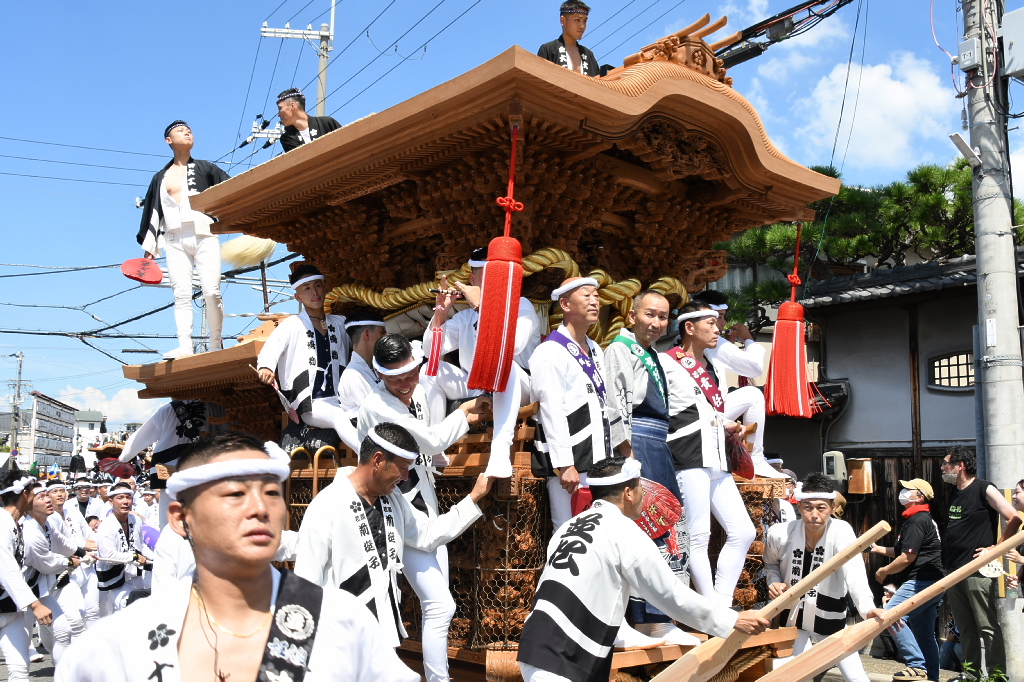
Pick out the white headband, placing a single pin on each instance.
(630, 470)
(391, 447)
(774, 460)
(696, 315)
(719, 306)
(277, 466)
(120, 490)
(18, 487)
(302, 281)
(799, 495)
(477, 263)
(575, 284)
(364, 323)
(414, 362)
(57, 484)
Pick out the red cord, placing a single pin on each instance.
(794, 279)
(509, 202)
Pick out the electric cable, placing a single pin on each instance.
(304, 9)
(75, 163)
(642, 30)
(61, 271)
(73, 196)
(627, 23)
(421, 47)
(248, 89)
(50, 177)
(76, 146)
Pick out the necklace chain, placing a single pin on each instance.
(213, 621)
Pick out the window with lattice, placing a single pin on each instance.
(952, 371)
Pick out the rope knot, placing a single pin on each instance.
(510, 204)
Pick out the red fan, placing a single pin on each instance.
(143, 270)
(662, 512)
(116, 468)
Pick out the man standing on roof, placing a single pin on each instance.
(299, 127)
(170, 224)
(566, 49)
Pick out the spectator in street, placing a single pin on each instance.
(974, 507)
(1014, 555)
(917, 563)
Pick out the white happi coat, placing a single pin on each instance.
(433, 435)
(112, 543)
(748, 362)
(357, 381)
(140, 643)
(16, 579)
(824, 608)
(696, 430)
(47, 549)
(333, 547)
(288, 351)
(570, 409)
(460, 333)
(594, 561)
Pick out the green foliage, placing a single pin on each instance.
(749, 304)
(930, 214)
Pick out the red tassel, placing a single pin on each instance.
(787, 392)
(436, 344)
(499, 312)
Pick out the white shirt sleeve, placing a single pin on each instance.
(148, 434)
(651, 578)
(427, 533)
(38, 554)
(274, 346)
(547, 386)
(313, 548)
(748, 362)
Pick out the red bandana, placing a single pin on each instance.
(915, 508)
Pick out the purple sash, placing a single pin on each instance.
(585, 362)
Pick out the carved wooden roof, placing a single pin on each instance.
(638, 174)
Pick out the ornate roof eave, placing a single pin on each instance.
(410, 138)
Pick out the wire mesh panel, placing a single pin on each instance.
(752, 588)
(493, 567)
(300, 494)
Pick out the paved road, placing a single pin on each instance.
(39, 671)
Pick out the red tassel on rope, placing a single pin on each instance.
(499, 297)
(787, 391)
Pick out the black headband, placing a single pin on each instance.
(175, 124)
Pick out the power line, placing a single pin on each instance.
(74, 196)
(283, 3)
(380, 54)
(76, 146)
(421, 47)
(620, 11)
(627, 23)
(245, 104)
(60, 271)
(75, 163)
(50, 177)
(643, 29)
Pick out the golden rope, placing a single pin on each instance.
(617, 295)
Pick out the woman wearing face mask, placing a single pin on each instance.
(917, 564)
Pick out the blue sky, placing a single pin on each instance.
(111, 75)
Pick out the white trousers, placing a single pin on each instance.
(851, 667)
(560, 501)
(15, 643)
(535, 674)
(427, 573)
(112, 601)
(706, 492)
(185, 250)
(326, 413)
(85, 578)
(749, 402)
(66, 624)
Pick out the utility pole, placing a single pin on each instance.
(321, 40)
(16, 406)
(1000, 364)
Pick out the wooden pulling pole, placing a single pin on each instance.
(827, 653)
(705, 660)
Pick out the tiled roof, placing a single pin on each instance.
(892, 282)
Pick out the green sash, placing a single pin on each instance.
(649, 364)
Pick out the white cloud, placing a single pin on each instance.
(903, 106)
(744, 12)
(792, 56)
(120, 408)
